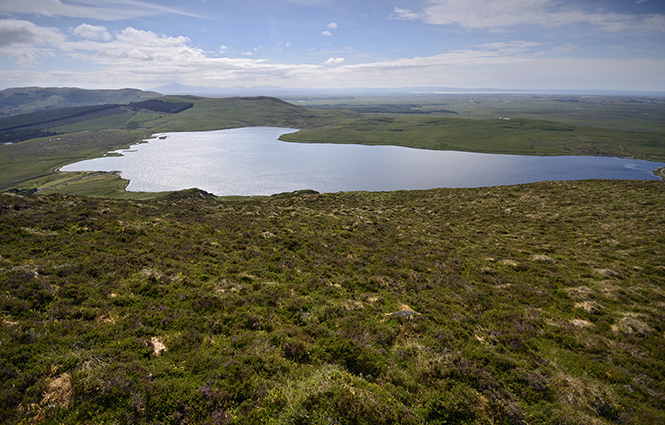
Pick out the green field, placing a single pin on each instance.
(34, 163)
(618, 112)
(534, 304)
(514, 136)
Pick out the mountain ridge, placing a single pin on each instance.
(22, 100)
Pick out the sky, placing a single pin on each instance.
(498, 44)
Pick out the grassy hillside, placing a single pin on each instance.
(533, 304)
(85, 118)
(23, 100)
(201, 114)
(33, 163)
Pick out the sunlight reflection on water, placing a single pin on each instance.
(252, 161)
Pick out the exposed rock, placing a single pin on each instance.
(404, 311)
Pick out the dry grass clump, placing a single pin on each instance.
(542, 258)
(108, 319)
(631, 326)
(608, 288)
(608, 273)
(59, 392)
(579, 292)
(158, 345)
(589, 306)
(350, 305)
(581, 323)
(510, 263)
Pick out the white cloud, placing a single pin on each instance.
(28, 42)
(405, 14)
(105, 10)
(326, 33)
(92, 32)
(129, 56)
(334, 61)
(223, 49)
(485, 55)
(492, 14)
(18, 32)
(139, 58)
(281, 46)
(133, 44)
(487, 66)
(654, 23)
(332, 25)
(565, 48)
(486, 13)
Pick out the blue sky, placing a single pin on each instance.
(502, 44)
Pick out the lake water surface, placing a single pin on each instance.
(252, 161)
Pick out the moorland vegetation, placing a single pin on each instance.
(534, 304)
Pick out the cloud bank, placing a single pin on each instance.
(495, 14)
(103, 10)
(464, 43)
(137, 57)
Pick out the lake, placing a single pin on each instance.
(252, 161)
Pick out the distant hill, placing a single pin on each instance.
(78, 128)
(17, 128)
(159, 114)
(180, 89)
(23, 100)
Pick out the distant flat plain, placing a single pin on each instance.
(645, 113)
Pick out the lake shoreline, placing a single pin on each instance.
(247, 162)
